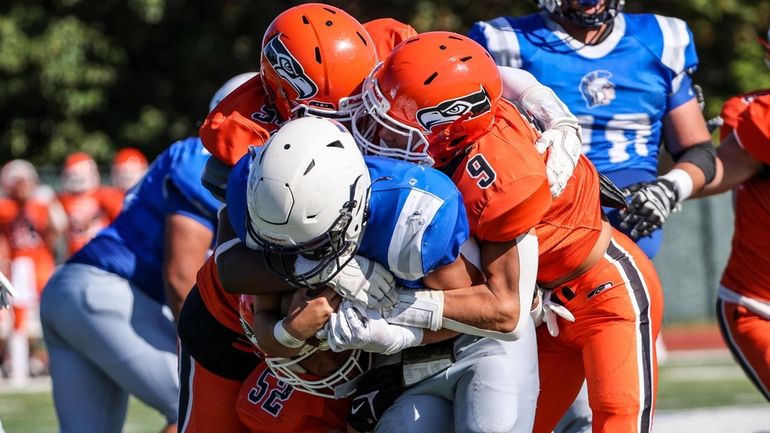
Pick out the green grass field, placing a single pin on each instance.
(685, 383)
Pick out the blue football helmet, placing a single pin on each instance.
(575, 10)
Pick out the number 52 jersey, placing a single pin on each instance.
(620, 89)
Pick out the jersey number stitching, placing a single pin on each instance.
(479, 168)
(273, 403)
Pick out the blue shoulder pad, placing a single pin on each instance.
(670, 39)
(188, 157)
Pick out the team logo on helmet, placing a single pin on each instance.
(597, 89)
(288, 68)
(266, 114)
(469, 106)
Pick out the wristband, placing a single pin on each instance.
(284, 338)
(683, 182)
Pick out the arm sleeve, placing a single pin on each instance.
(504, 219)
(177, 203)
(228, 131)
(753, 131)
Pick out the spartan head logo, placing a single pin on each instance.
(469, 106)
(597, 89)
(288, 68)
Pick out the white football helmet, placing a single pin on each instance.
(307, 195)
(338, 384)
(229, 86)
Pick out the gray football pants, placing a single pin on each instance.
(106, 339)
(492, 387)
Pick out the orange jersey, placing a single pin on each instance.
(732, 109)
(571, 226)
(222, 305)
(88, 213)
(24, 228)
(502, 179)
(387, 33)
(747, 268)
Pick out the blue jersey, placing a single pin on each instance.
(416, 224)
(620, 89)
(132, 246)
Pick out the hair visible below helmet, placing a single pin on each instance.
(574, 11)
(314, 59)
(128, 167)
(437, 108)
(15, 171)
(80, 173)
(338, 384)
(307, 195)
(229, 86)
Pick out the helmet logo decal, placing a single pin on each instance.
(288, 68)
(448, 111)
(597, 89)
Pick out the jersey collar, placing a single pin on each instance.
(589, 51)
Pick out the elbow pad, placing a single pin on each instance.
(703, 155)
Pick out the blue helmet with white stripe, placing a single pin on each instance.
(583, 13)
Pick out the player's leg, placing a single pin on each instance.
(122, 331)
(619, 345)
(417, 413)
(561, 376)
(748, 337)
(498, 385)
(578, 417)
(207, 401)
(85, 398)
(214, 363)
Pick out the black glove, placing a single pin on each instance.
(610, 195)
(650, 204)
(376, 392)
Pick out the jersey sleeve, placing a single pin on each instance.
(185, 176)
(177, 203)
(500, 39)
(513, 209)
(444, 235)
(387, 33)
(731, 112)
(228, 130)
(753, 130)
(111, 200)
(678, 54)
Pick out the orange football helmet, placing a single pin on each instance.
(437, 91)
(80, 173)
(128, 166)
(314, 59)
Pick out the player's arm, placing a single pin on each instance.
(285, 336)
(735, 167)
(243, 270)
(186, 242)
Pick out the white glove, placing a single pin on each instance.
(551, 310)
(423, 308)
(353, 327)
(563, 143)
(6, 291)
(360, 280)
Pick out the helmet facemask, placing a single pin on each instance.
(372, 117)
(574, 11)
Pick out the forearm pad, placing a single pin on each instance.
(703, 155)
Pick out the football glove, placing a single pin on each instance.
(650, 204)
(361, 280)
(352, 327)
(562, 143)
